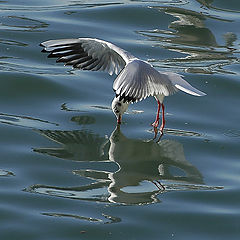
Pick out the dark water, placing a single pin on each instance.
(67, 173)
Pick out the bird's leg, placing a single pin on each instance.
(155, 124)
(162, 126)
(163, 119)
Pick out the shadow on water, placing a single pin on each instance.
(128, 167)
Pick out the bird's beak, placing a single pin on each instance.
(119, 120)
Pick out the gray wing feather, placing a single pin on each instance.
(139, 80)
(88, 54)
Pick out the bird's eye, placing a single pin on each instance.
(119, 104)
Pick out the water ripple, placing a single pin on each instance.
(24, 121)
(178, 132)
(233, 133)
(190, 36)
(111, 219)
(73, 216)
(189, 187)
(25, 24)
(210, 5)
(43, 8)
(5, 173)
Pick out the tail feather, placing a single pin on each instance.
(183, 85)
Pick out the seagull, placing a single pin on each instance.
(136, 79)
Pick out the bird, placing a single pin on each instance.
(136, 79)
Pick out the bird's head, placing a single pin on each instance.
(118, 108)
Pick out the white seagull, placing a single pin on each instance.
(136, 79)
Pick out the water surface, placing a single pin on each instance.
(67, 172)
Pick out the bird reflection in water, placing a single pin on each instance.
(151, 161)
(137, 163)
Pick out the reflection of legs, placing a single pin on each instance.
(158, 184)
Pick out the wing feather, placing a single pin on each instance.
(88, 54)
(139, 80)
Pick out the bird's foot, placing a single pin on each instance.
(155, 129)
(155, 124)
(161, 129)
(155, 132)
(161, 134)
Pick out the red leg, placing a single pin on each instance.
(163, 118)
(155, 124)
(162, 126)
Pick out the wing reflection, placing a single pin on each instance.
(139, 163)
(76, 145)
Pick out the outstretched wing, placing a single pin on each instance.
(88, 54)
(139, 80)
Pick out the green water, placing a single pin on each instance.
(67, 173)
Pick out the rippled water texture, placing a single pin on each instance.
(67, 172)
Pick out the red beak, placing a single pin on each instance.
(119, 120)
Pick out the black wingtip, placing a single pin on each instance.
(128, 99)
(51, 55)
